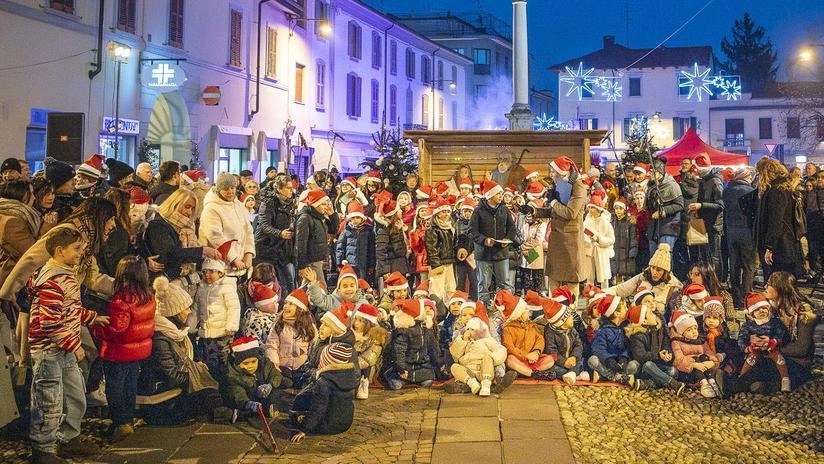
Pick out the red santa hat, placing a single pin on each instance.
(139, 196)
(424, 192)
(637, 313)
(702, 161)
(193, 176)
(563, 295)
(422, 290)
(350, 181)
(639, 193)
(439, 204)
(245, 348)
(299, 298)
(315, 198)
(563, 165)
(509, 190)
(388, 208)
(355, 209)
(490, 188)
(364, 285)
(412, 308)
(534, 300)
(681, 321)
(592, 293)
(264, 297)
(229, 250)
(245, 197)
(535, 190)
(468, 203)
(458, 296)
(695, 292)
(622, 202)
(642, 292)
(608, 305)
(556, 313)
(598, 200)
(368, 312)
(753, 301)
(373, 176)
(93, 166)
(465, 183)
(642, 168)
(338, 317)
(478, 310)
(441, 188)
(531, 175)
(346, 271)
(395, 281)
(511, 306)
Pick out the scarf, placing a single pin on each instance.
(712, 334)
(445, 225)
(21, 210)
(185, 228)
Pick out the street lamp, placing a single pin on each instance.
(807, 56)
(120, 54)
(452, 86)
(325, 26)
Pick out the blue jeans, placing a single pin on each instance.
(58, 399)
(607, 373)
(121, 390)
(661, 374)
(486, 271)
(561, 370)
(668, 239)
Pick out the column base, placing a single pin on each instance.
(520, 117)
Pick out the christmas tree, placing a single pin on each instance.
(398, 158)
(147, 153)
(194, 158)
(640, 147)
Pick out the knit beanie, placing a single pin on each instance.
(118, 170)
(335, 353)
(213, 265)
(170, 299)
(57, 172)
(714, 307)
(244, 348)
(225, 181)
(11, 164)
(662, 258)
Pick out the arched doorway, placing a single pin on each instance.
(169, 127)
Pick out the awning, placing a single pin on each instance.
(229, 137)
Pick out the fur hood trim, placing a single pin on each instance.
(403, 320)
(633, 329)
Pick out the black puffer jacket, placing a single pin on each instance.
(710, 195)
(390, 251)
(328, 400)
(274, 216)
(440, 246)
(311, 243)
(415, 349)
(774, 229)
(496, 223)
(164, 369)
(162, 240)
(646, 343)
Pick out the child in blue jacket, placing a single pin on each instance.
(356, 242)
(610, 351)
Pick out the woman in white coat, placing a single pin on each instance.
(599, 238)
(224, 225)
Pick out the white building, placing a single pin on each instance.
(191, 79)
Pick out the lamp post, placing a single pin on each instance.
(120, 53)
(452, 86)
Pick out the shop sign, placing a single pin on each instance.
(126, 126)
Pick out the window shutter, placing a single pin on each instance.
(235, 38)
(271, 53)
(176, 23)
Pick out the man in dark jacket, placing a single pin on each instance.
(311, 233)
(274, 230)
(814, 205)
(739, 236)
(169, 182)
(665, 204)
(493, 230)
(709, 207)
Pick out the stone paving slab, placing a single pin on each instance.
(532, 409)
(467, 429)
(150, 445)
(458, 453)
(554, 450)
(529, 391)
(465, 406)
(214, 448)
(532, 429)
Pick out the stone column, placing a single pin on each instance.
(520, 116)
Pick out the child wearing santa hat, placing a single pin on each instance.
(626, 242)
(333, 326)
(610, 354)
(465, 277)
(692, 355)
(294, 331)
(439, 241)
(391, 243)
(522, 339)
(563, 342)
(395, 288)
(599, 238)
(356, 242)
(762, 335)
(649, 345)
(252, 382)
(416, 357)
(477, 354)
(370, 340)
(535, 244)
(260, 316)
(346, 290)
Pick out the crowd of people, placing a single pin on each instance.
(243, 300)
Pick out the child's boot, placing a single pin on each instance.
(706, 389)
(486, 386)
(785, 384)
(569, 378)
(474, 386)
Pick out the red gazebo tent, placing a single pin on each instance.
(691, 146)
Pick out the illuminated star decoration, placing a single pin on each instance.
(579, 81)
(697, 82)
(730, 89)
(544, 123)
(612, 90)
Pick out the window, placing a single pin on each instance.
(374, 108)
(299, 82)
(377, 50)
(271, 53)
(410, 103)
(426, 70)
(634, 86)
(410, 63)
(440, 75)
(588, 124)
(440, 113)
(481, 91)
(126, 15)
(322, 13)
(66, 6)
(355, 45)
(460, 51)
(764, 128)
(176, 23)
(353, 95)
(628, 124)
(393, 58)
(393, 105)
(681, 125)
(481, 57)
(793, 127)
(320, 83)
(454, 115)
(424, 109)
(235, 38)
(454, 87)
(734, 129)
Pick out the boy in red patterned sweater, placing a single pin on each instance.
(58, 397)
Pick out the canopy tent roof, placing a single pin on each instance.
(691, 146)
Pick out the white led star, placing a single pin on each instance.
(579, 81)
(697, 82)
(544, 123)
(730, 89)
(613, 91)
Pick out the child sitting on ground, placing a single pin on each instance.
(562, 342)
(761, 336)
(252, 381)
(287, 344)
(346, 290)
(334, 327)
(523, 341)
(610, 356)
(370, 339)
(261, 300)
(415, 353)
(650, 347)
(714, 329)
(477, 354)
(692, 356)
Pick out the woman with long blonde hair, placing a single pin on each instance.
(775, 227)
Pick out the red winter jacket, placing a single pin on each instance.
(128, 337)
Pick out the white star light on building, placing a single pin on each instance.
(544, 123)
(730, 89)
(579, 81)
(697, 82)
(612, 90)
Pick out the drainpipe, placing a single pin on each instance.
(386, 71)
(257, 66)
(98, 66)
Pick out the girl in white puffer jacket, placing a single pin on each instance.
(218, 310)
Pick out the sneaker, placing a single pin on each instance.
(623, 379)
(235, 413)
(363, 389)
(548, 374)
(474, 385)
(641, 385)
(456, 387)
(706, 389)
(631, 381)
(78, 448)
(122, 431)
(504, 382)
(486, 385)
(42, 457)
(677, 386)
(569, 378)
(97, 398)
(595, 376)
(584, 376)
(785, 384)
(714, 386)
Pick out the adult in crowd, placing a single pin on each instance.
(657, 277)
(10, 170)
(271, 173)
(195, 180)
(814, 205)
(493, 231)
(564, 262)
(61, 176)
(120, 173)
(119, 241)
(169, 182)
(665, 203)
(44, 197)
(703, 273)
(274, 232)
(709, 206)
(311, 233)
(738, 231)
(144, 177)
(225, 221)
(776, 233)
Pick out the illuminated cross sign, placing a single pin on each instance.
(163, 76)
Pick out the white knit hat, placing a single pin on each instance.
(170, 299)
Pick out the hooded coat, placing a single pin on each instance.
(274, 216)
(666, 199)
(223, 221)
(566, 241)
(328, 400)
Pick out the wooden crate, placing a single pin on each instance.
(441, 152)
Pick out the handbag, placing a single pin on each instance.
(697, 232)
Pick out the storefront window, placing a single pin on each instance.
(126, 148)
(231, 160)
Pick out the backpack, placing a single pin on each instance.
(799, 215)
